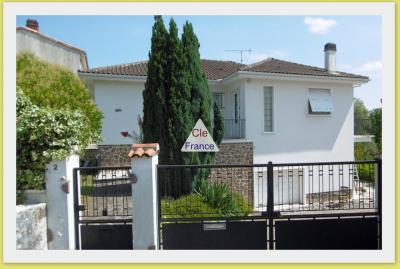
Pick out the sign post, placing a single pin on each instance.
(199, 140)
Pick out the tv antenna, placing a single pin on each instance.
(241, 53)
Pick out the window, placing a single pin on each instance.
(217, 97)
(268, 109)
(236, 108)
(320, 101)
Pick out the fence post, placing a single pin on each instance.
(270, 204)
(60, 202)
(144, 161)
(379, 194)
(76, 189)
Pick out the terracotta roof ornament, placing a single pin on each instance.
(144, 150)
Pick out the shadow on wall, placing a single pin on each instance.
(319, 133)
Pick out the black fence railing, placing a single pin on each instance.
(198, 191)
(362, 126)
(234, 128)
(103, 193)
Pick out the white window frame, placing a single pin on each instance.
(273, 110)
(318, 114)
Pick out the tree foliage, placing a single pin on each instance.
(218, 130)
(154, 92)
(176, 93)
(376, 126)
(52, 86)
(360, 111)
(43, 134)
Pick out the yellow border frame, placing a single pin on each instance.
(210, 265)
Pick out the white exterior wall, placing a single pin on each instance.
(299, 136)
(127, 96)
(48, 51)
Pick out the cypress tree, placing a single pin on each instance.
(218, 130)
(154, 91)
(177, 109)
(200, 99)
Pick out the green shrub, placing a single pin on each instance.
(188, 206)
(362, 152)
(365, 151)
(219, 196)
(43, 134)
(207, 201)
(52, 86)
(366, 172)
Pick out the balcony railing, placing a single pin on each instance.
(234, 129)
(362, 126)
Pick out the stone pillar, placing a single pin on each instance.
(60, 203)
(144, 160)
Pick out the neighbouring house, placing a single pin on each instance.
(30, 39)
(274, 110)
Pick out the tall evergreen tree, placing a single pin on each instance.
(176, 95)
(177, 109)
(200, 99)
(218, 130)
(154, 92)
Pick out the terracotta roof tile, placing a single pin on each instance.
(146, 150)
(271, 65)
(215, 70)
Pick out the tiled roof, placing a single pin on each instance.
(146, 150)
(271, 65)
(215, 70)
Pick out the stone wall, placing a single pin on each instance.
(31, 226)
(114, 155)
(240, 179)
(235, 152)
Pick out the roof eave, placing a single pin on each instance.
(282, 76)
(86, 75)
(98, 76)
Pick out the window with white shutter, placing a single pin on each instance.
(320, 101)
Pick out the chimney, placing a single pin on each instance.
(330, 57)
(32, 24)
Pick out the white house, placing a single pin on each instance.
(283, 111)
(291, 112)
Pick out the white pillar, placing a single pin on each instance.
(144, 160)
(60, 203)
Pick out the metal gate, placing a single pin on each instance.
(334, 205)
(103, 207)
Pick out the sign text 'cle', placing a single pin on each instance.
(199, 140)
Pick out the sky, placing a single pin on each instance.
(110, 40)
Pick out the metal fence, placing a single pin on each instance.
(234, 128)
(197, 191)
(105, 193)
(362, 126)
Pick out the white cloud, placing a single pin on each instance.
(319, 25)
(371, 92)
(374, 66)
